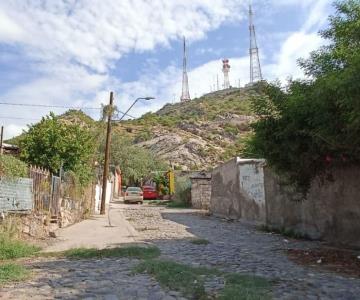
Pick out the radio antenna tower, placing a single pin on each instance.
(226, 70)
(185, 95)
(255, 68)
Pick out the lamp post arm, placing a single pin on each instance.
(125, 113)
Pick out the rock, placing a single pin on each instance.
(52, 234)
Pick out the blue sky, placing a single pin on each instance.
(73, 52)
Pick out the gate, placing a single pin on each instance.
(41, 188)
(46, 191)
(55, 196)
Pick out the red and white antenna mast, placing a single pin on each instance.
(226, 70)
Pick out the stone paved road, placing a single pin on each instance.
(233, 247)
(236, 247)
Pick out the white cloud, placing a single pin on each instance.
(10, 31)
(297, 45)
(12, 130)
(73, 45)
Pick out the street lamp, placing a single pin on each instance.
(136, 100)
(107, 149)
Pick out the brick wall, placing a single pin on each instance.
(200, 193)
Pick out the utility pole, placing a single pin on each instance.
(107, 154)
(1, 140)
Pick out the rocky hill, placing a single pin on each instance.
(195, 135)
(198, 134)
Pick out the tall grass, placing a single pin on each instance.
(11, 248)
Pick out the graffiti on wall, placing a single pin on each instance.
(252, 182)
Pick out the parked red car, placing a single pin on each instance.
(150, 193)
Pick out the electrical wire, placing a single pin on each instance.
(49, 106)
(18, 118)
(53, 106)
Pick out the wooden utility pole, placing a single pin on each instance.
(1, 140)
(107, 154)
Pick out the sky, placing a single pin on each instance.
(72, 53)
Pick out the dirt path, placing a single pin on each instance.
(96, 232)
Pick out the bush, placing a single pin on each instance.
(183, 190)
(12, 167)
(310, 127)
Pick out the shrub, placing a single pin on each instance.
(183, 190)
(12, 167)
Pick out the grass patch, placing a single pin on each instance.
(245, 287)
(200, 242)
(185, 279)
(176, 204)
(12, 272)
(190, 281)
(12, 248)
(131, 252)
(290, 233)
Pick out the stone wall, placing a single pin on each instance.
(237, 190)
(331, 210)
(200, 191)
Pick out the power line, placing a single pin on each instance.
(57, 106)
(17, 118)
(49, 106)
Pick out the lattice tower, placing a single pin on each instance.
(255, 68)
(185, 95)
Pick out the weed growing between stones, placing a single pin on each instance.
(238, 287)
(12, 272)
(190, 281)
(200, 242)
(284, 231)
(12, 248)
(130, 252)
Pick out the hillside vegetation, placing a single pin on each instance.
(194, 135)
(198, 134)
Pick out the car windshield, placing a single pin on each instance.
(133, 189)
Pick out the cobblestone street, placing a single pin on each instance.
(232, 247)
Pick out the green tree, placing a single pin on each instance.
(136, 163)
(312, 125)
(52, 143)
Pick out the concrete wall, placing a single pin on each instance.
(331, 210)
(16, 195)
(248, 190)
(200, 193)
(98, 193)
(237, 190)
